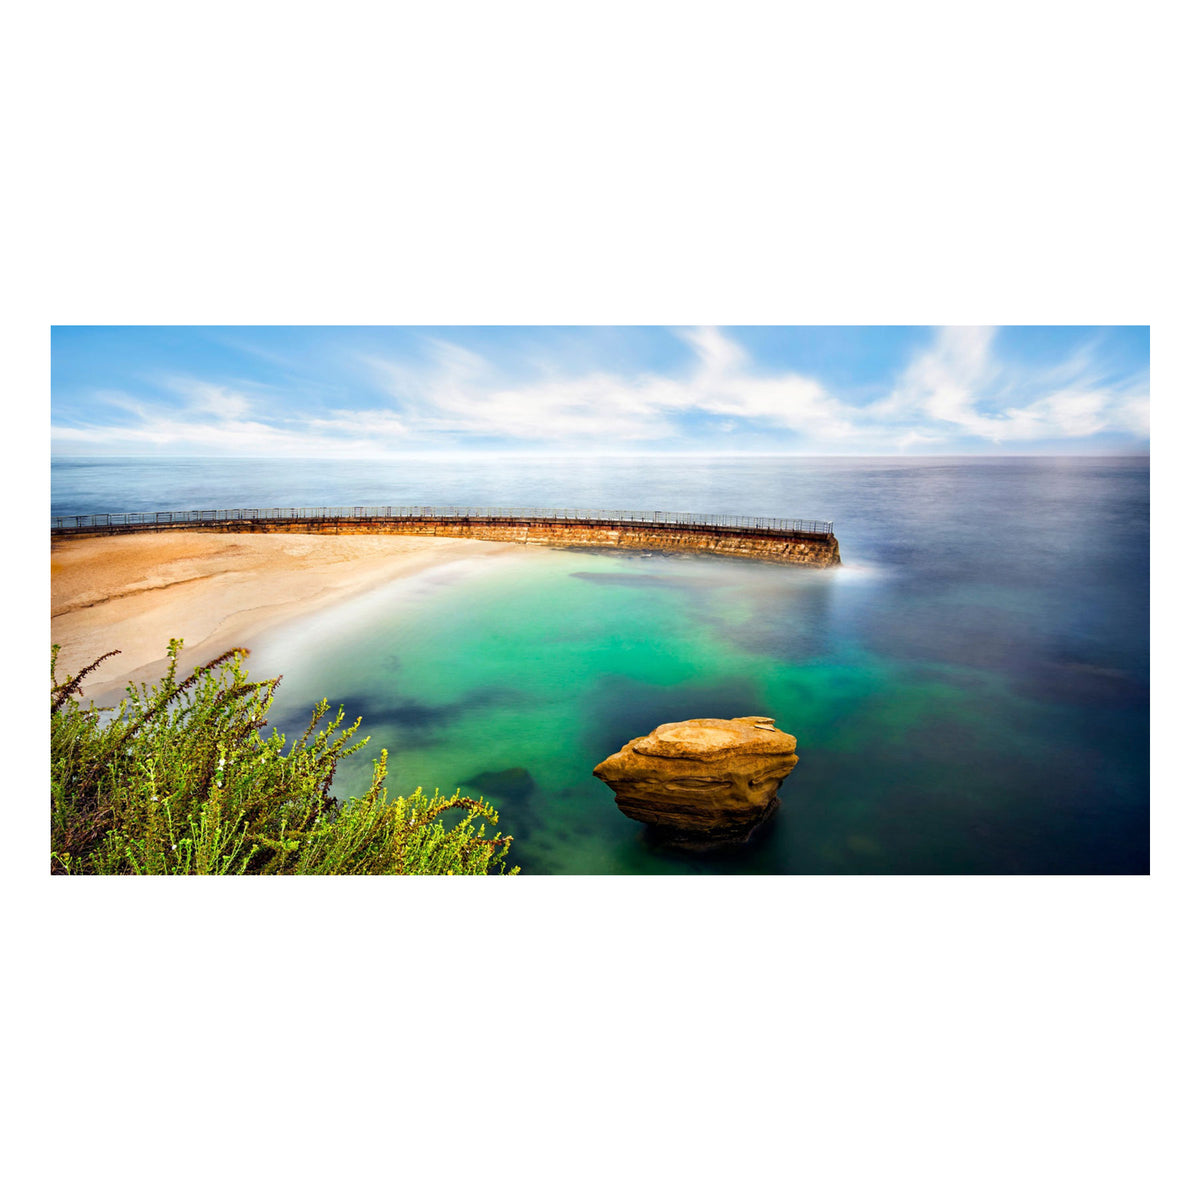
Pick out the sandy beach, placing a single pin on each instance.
(134, 592)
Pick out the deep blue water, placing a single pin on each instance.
(970, 691)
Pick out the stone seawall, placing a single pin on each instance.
(809, 550)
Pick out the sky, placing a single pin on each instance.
(395, 391)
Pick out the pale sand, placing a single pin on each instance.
(134, 592)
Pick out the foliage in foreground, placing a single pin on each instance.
(178, 781)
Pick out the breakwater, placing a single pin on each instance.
(804, 543)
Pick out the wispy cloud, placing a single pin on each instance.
(217, 399)
(958, 387)
(459, 392)
(209, 421)
(944, 383)
(164, 435)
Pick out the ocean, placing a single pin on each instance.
(970, 691)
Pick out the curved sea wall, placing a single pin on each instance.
(803, 548)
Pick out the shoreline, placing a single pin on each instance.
(216, 590)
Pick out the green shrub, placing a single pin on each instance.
(177, 780)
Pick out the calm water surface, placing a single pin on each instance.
(970, 691)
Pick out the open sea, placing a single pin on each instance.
(970, 692)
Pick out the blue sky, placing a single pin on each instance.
(352, 392)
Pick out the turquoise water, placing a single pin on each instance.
(970, 693)
(531, 672)
(540, 665)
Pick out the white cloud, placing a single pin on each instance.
(719, 356)
(460, 393)
(1134, 415)
(163, 435)
(362, 423)
(941, 392)
(1068, 413)
(213, 398)
(944, 383)
(193, 431)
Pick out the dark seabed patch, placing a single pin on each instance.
(419, 722)
(513, 783)
(511, 791)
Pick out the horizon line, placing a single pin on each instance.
(445, 455)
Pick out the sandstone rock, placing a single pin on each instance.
(702, 784)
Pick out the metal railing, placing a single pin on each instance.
(583, 516)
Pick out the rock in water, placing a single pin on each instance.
(702, 784)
